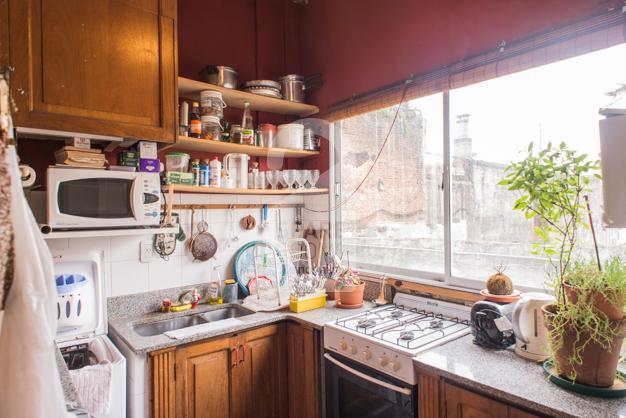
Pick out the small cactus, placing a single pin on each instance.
(499, 283)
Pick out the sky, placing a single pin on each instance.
(555, 102)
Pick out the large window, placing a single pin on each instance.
(397, 221)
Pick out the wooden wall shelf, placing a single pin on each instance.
(203, 145)
(236, 98)
(110, 232)
(179, 188)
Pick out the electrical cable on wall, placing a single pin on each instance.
(380, 151)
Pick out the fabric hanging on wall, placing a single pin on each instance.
(586, 36)
(6, 230)
(27, 348)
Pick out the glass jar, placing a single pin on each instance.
(211, 128)
(212, 103)
(235, 134)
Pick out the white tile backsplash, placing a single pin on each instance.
(125, 274)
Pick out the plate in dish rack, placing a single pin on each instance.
(244, 265)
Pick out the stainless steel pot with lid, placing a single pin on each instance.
(220, 76)
(293, 87)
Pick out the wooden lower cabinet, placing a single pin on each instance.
(304, 369)
(462, 403)
(241, 376)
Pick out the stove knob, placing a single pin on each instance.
(395, 366)
(353, 349)
(367, 354)
(383, 360)
(343, 345)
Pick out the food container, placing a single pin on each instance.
(268, 88)
(211, 103)
(176, 177)
(220, 76)
(235, 134)
(307, 303)
(268, 135)
(293, 87)
(229, 294)
(177, 161)
(211, 128)
(149, 165)
(291, 135)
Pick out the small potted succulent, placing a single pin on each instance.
(349, 288)
(586, 324)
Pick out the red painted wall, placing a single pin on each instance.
(360, 45)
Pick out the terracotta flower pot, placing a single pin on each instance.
(598, 364)
(350, 295)
(614, 311)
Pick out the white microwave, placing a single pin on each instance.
(86, 198)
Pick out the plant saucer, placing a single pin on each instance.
(513, 297)
(618, 390)
(346, 306)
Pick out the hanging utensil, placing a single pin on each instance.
(164, 245)
(190, 240)
(281, 235)
(204, 245)
(263, 222)
(233, 238)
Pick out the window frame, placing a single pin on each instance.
(447, 279)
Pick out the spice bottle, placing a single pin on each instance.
(204, 173)
(195, 170)
(195, 123)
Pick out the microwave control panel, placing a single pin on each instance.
(151, 206)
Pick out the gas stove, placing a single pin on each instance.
(388, 337)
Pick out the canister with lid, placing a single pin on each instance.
(212, 103)
(211, 128)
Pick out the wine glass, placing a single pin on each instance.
(290, 177)
(314, 177)
(300, 178)
(273, 177)
(307, 179)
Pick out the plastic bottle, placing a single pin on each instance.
(195, 169)
(215, 179)
(204, 173)
(214, 295)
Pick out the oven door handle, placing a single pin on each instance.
(349, 369)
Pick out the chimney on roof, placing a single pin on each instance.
(462, 143)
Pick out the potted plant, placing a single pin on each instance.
(349, 288)
(586, 323)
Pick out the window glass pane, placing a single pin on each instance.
(395, 221)
(491, 124)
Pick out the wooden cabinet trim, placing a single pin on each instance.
(161, 372)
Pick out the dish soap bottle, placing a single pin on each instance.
(215, 296)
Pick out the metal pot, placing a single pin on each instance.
(220, 76)
(293, 87)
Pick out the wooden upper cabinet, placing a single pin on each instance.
(204, 380)
(105, 67)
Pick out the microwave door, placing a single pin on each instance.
(94, 202)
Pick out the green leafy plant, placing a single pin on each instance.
(348, 277)
(552, 184)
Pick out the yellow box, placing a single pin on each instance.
(308, 304)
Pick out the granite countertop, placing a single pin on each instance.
(504, 375)
(121, 324)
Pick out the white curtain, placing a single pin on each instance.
(31, 385)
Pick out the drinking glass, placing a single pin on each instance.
(290, 177)
(273, 178)
(307, 179)
(315, 176)
(300, 178)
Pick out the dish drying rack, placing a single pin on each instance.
(307, 288)
(267, 295)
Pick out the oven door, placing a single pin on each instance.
(356, 391)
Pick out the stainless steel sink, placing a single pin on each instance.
(225, 313)
(156, 328)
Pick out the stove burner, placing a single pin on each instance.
(396, 314)
(407, 335)
(436, 324)
(366, 323)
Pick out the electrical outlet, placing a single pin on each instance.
(146, 252)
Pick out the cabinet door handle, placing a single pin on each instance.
(243, 353)
(234, 354)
